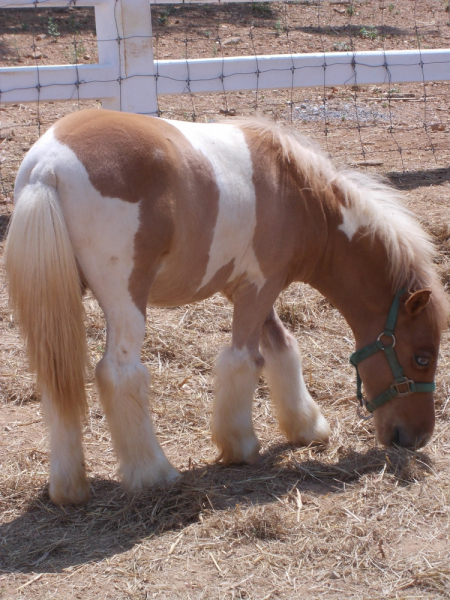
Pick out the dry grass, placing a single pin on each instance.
(350, 519)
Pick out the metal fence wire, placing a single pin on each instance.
(310, 65)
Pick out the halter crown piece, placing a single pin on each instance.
(402, 386)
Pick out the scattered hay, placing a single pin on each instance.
(305, 522)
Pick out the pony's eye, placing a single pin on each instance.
(422, 361)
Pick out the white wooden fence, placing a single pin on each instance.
(128, 78)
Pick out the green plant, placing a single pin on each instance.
(72, 22)
(278, 28)
(341, 47)
(164, 16)
(391, 7)
(350, 10)
(52, 28)
(369, 33)
(73, 55)
(214, 50)
(262, 10)
(207, 34)
(24, 26)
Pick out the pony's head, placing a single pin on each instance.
(398, 369)
(397, 307)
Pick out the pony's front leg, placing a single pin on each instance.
(123, 382)
(298, 415)
(237, 373)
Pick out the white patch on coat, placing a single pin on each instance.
(352, 221)
(226, 149)
(101, 229)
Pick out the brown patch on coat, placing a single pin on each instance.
(292, 221)
(216, 282)
(147, 160)
(273, 335)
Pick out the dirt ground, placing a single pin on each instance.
(353, 520)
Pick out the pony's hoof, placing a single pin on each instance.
(244, 452)
(138, 477)
(317, 433)
(75, 492)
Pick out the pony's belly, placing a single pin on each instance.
(175, 285)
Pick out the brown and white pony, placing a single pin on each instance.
(148, 211)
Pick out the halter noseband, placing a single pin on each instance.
(402, 386)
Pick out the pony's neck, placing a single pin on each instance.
(354, 276)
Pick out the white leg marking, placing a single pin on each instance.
(68, 484)
(124, 391)
(225, 147)
(232, 427)
(299, 416)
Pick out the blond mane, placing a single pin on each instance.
(374, 203)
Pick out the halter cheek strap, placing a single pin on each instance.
(402, 386)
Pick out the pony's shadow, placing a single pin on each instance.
(4, 223)
(47, 539)
(410, 180)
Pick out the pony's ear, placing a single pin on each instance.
(417, 302)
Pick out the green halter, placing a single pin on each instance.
(402, 386)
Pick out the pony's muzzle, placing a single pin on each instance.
(400, 437)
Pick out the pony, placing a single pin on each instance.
(146, 211)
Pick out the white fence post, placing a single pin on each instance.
(137, 67)
(108, 48)
(124, 78)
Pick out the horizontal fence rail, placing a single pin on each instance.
(302, 70)
(128, 78)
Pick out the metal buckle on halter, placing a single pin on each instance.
(384, 334)
(407, 383)
(363, 417)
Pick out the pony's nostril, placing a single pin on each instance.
(423, 441)
(396, 436)
(401, 438)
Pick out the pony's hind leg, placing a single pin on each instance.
(68, 483)
(299, 416)
(123, 383)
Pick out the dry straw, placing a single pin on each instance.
(351, 519)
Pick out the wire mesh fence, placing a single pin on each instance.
(387, 126)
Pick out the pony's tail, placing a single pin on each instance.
(45, 295)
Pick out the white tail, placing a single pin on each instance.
(44, 292)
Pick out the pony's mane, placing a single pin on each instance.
(374, 203)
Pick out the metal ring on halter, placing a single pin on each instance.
(387, 335)
(363, 417)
